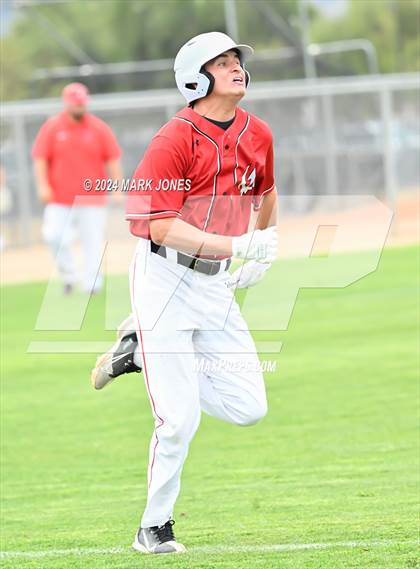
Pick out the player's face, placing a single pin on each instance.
(228, 75)
(76, 111)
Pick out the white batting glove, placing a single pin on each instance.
(248, 275)
(260, 245)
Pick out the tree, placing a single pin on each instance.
(119, 30)
(391, 25)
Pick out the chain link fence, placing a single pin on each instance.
(345, 136)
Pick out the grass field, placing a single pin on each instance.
(334, 464)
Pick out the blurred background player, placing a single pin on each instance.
(70, 148)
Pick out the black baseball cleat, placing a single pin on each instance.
(116, 361)
(157, 539)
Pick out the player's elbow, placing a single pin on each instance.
(159, 229)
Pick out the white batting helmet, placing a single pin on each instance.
(193, 82)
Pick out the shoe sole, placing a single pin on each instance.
(124, 329)
(94, 376)
(142, 549)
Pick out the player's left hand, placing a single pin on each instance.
(248, 274)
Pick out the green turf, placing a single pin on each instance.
(336, 459)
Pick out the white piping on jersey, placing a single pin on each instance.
(219, 166)
(128, 215)
(261, 197)
(235, 180)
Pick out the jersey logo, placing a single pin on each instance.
(247, 181)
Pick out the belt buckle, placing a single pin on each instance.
(208, 267)
(197, 264)
(214, 268)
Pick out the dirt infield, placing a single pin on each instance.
(298, 237)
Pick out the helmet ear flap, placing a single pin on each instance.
(210, 78)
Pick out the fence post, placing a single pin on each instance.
(389, 158)
(331, 154)
(24, 181)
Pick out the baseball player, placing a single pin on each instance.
(219, 159)
(70, 148)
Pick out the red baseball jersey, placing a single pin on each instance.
(202, 174)
(76, 151)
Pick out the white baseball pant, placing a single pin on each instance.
(197, 355)
(60, 225)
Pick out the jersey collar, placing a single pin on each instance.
(69, 122)
(212, 130)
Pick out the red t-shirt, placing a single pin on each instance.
(76, 151)
(216, 174)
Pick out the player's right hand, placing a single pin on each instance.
(44, 193)
(260, 245)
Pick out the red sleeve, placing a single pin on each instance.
(265, 181)
(152, 196)
(42, 147)
(111, 149)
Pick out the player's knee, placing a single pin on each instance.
(50, 237)
(53, 238)
(254, 414)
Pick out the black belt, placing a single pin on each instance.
(195, 263)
